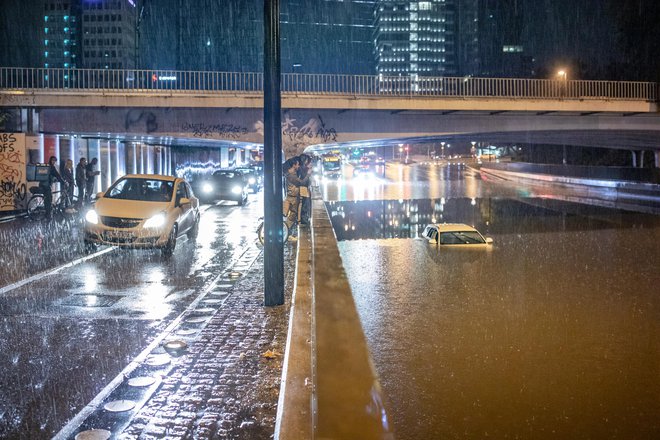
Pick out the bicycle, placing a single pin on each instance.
(62, 209)
(285, 227)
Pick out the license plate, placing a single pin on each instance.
(122, 235)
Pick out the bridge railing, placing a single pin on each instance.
(148, 81)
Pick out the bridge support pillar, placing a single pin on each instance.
(656, 153)
(641, 158)
(634, 158)
(30, 121)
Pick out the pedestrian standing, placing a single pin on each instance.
(293, 184)
(81, 180)
(304, 172)
(67, 175)
(90, 174)
(47, 186)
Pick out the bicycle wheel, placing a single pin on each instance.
(261, 233)
(36, 209)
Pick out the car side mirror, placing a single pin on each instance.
(489, 240)
(98, 195)
(183, 201)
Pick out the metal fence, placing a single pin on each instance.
(149, 81)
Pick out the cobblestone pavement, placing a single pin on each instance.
(227, 384)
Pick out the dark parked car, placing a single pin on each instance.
(252, 178)
(223, 185)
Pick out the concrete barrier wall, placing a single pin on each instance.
(646, 175)
(329, 387)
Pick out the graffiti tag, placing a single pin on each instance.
(13, 186)
(135, 117)
(202, 130)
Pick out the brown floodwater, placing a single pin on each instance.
(554, 333)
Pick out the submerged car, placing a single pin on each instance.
(455, 235)
(143, 211)
(224, 185)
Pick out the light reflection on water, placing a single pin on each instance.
(552, 334)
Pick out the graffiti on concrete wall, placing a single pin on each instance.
(141, 121)
(13, 184)
(216, 131)
(295, 137)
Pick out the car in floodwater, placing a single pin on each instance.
(457, 235)
(143, 211)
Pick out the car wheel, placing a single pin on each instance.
(242, 201)
(168, 250)
(194, 230)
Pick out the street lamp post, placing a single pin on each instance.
(442, 150)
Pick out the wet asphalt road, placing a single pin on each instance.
(65, 335)
(553, 333)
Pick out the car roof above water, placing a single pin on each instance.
(444, 227)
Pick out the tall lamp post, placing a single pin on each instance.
(442, 150)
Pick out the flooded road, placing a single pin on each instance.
(552, 333)
(65, 335)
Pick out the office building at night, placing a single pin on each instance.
(96, 34)
(426, 38)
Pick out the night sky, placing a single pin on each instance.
(594, 39)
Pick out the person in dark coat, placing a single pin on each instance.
(47, 186)
(305, 172)
(91, 174)
(67, 175)
(81, 180)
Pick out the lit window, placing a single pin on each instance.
(46, 54)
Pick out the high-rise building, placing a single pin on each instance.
(504, 52)
(61, 34)
(426, 38)
(98, 34)
(109, 34)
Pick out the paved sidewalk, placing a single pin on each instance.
(227, 384)
(223, 384)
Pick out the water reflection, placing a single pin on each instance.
(552, 334)
(378, 219)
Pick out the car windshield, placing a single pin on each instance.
(225, 175)
(461, 237)
(332, 165)
(147, 190)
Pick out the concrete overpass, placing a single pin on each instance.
(216, 108)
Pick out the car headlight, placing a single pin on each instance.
(92, 217)
(155, 221)
(207, 188)
(236, 190)
(252, 180)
